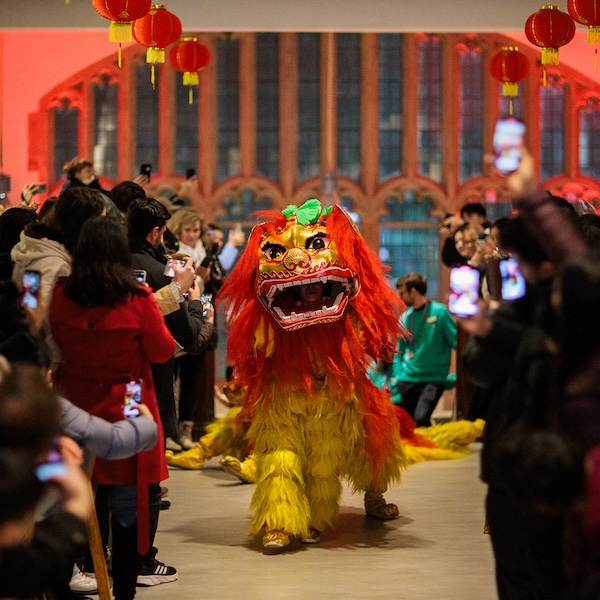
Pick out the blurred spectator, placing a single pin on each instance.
(80, 173)
(12, 223)
(109, 329)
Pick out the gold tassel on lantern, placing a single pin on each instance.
(191, 78)
(120, 31)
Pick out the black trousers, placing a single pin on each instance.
(420, 399)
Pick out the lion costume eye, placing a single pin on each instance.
(319, 241)
(273, 251)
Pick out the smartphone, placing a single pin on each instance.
(464, 291)
(146, 169)
(133, 398)
(140, 276)
(508, 143)
(189, 173)
(513, 282)
(52, 467)
(31, 285)
(206, 300)
(40, 189)
(171, 264)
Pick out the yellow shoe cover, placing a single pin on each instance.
(375, 506)
(277, 540)
(245, 471)
(191, 459)
(313, 537)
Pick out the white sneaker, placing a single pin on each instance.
(82, 583)
(159, 573)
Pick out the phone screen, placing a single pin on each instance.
(508, 143)
(146, 169)
(189, 173)
(31, 285)
(513, 282)
(206, 300)
(52, 467)
(464, 291)
(140, 276)
(133, 398)
(171, 264)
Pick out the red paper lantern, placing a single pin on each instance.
(587, 12)
(157, 30)
(121, 13)
(549, 28)
(189, 57)
(509, 66)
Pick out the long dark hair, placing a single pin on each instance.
(102, 272)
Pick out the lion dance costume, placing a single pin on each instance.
(315, 416)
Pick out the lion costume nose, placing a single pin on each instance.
(296, 257)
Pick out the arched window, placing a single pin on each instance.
(228, 111)
(186, 127)
(390, 104)
(552, 142)
(267, 105)
(66, 134)
(409, 239)
(309, 105)
(589, 138)
(429, 111)
(470, 125)
(146, 117)
(106, 150)
(348, 105)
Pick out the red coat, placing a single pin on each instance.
(102, 349)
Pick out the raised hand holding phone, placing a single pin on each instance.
(133, 399)
(464, 291)
(508, 143)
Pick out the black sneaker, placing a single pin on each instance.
(157, 574)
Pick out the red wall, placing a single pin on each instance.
(33, 61)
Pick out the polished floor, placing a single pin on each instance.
(435, 551)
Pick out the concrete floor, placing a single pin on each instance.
(435, 551)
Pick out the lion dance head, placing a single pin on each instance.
(308, 294)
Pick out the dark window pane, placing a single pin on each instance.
(348, 104)
(66, 136)
(471, 111)
(589, 139)
(390, 104)
(146, 118)
(309, 105)
(105, 128)
(186, 126)
(267, 104)
(228, 113)
(407, 248)
(429, 117)
(552, 130)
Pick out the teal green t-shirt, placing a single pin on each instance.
(427, 357)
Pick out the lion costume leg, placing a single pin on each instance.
(279, 502)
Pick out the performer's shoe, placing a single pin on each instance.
(375, 506)
(277, 540)
(244, 471)
(190, 459)
(313, 537)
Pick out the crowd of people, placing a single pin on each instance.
(94, 331)
(77, 323)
